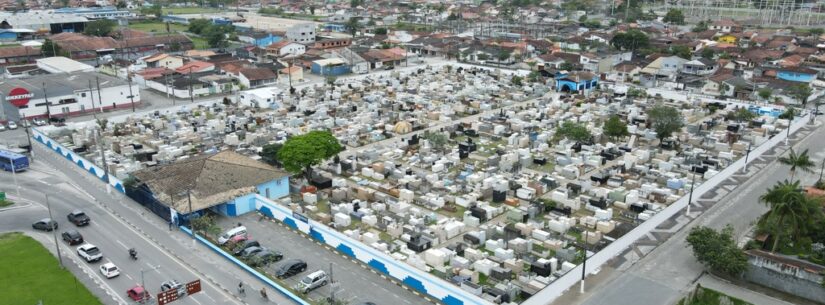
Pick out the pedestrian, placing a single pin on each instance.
(170, 225)
(263, 293)
(241, 291)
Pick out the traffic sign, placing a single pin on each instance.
(193, 287)
(167, 296)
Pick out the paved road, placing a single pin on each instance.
(118, 222)
(670, 270)
(357, 284)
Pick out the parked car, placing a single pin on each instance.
(313, 280)
(229, 234)
(249, 252)
(12, 125)
(109, 270)
(173, 285)
(138, 294)
(45, 224)
(264, 258)
(290, 268)
(2, 127)
(72, 237)
(39, 122)
(89, 252)
(78, 218)
(242, 246)
(236, 240)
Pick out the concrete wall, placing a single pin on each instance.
(384, 264)
(787, 283)
(77, 159)
(276, 188)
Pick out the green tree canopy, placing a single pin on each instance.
(155, 10)
(700, 27)
(681, 51)
(798, 162)
(665, 120)
(765, 93)
(300, 153)
(744, 115)
(615, 128)
(50, 48)
(675, 16)
(206, 225)
(197, 26)
(573, 131)
(631, 40)
(269, 153)
(100, 28)
(790, 210)
(708, 53)
(517, 80)
(436, 139)
(717, 250)
(380, 31)
(566, 66)
(800, 92)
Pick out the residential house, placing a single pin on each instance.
(19, 54)
(195, 66)
(332, 43)
(624, 72)
(291, 75)
(330, 67)
(301, 33)
(662, 72)
(699, 67)
(725, 26)
(738, 87)
(577, 82)
(285, 48)
(359, 64)
(259, 39)
(379, 58)
(256, 77)
(714, 85)
(253, 53)
(163, 60)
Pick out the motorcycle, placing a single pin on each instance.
(133, 254)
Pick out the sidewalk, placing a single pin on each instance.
(743, 293)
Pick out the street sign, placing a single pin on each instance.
(167, 296)
(193, 287)
(19, 96)
(300, 217)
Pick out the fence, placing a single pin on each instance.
(555, 289)
(419, 280)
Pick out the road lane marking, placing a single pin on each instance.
(122, 244)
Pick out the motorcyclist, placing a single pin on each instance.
(133, 253)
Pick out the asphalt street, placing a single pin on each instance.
(119, 224)
(355, 284)
(670, 270)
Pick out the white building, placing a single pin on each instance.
(285, 48)
(60, 64)
(261, 97)
(67, 95)
(301, 33)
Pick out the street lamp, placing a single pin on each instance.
(584, 262)
(54, 233)
(142, 284)
(747, 154)
(690, 197)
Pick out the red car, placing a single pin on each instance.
(138, 294)
(237, 239)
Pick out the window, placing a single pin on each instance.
(83, 94)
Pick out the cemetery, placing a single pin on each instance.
(492, 185)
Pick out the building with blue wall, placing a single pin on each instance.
(330, 67)
(335, 27)
(223, 182)
(577, 82)
(796, 74)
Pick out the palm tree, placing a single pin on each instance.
(801, 161)
(788, 204)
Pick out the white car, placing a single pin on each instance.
(12, 125)
(109, 270)
(89, 252)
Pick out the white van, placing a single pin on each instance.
(226, 236)
(313, 280)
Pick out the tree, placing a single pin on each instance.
(636, 93)
(800, 92)
(100, 28)
(197, 26)
(816, 32)
(381, 31)
(615, 128)
(206, 225)
(353, 25)
(765, 93)
(717, 250)
(503, 55)
(681, 51)
(665, 120)
(675, 16)
(355, 3)
(798, 162)
(743, 115)
(452, 16)
(566, 66)
(789, 113)
(436, 139)
(215, 36)
(700, 27)
(120, 4)
(631, 40)
(155, 10)
(301, 152)
(517, 80)
(708, 53)
(50, 48)
(789, 205)
(269, 153)
(573, 131)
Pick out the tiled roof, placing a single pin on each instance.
(258, 73)
(193, 66)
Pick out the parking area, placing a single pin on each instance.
(353, 283)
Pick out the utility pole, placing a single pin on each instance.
(14, 176)
(131, 95)
(54, 233)
(166, 77)
(48, 105)
(189, 217)
(92, 96)
(821, 169)
(191, 94)
(692, 183)
(99, 142)
(29, 139)
(99, 98)
(747, 153)
(584, 262)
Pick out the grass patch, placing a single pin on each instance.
(546, 168)
(29, 273)
(5, 202)
(8, 45)
(199, 42)
(158, 27)
(190, 10)
(482, 279)
(704, 296)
